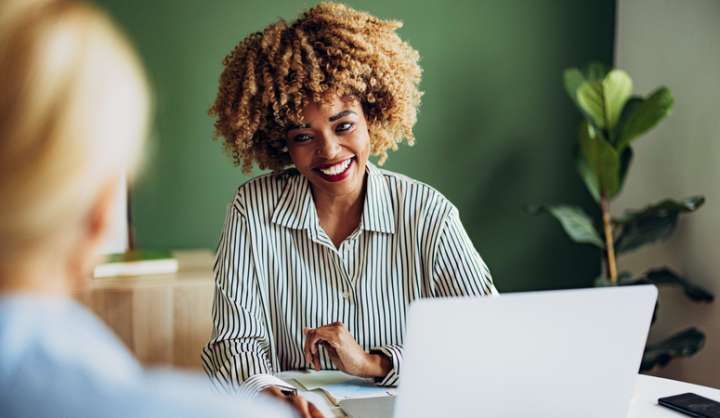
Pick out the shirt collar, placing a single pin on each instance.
(295, 208)
(295, 205)
(378, 214)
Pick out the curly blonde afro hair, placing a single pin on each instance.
(331, 48)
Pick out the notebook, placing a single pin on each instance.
(339, 386)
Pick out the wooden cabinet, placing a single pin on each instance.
(163, 319)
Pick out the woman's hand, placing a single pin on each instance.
(301, 405)
(345, 353)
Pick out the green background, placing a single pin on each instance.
(495, 130)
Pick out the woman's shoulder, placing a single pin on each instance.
(263, 190)
(414, 195)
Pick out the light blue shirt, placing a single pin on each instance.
(57, 360)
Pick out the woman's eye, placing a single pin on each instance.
(301, 138)
(345, 126)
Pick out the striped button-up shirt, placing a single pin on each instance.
(277, 271)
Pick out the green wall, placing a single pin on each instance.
(495, 130)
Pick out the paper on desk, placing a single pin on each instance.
(340, 386)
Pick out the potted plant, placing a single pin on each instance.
(613, 119)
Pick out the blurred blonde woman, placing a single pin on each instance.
(73, 112)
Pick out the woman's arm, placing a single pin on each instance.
(458, 269)
(238, 356)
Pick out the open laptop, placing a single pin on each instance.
(552, 354)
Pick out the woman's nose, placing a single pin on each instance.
(329, 147)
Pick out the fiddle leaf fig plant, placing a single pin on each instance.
(613, 118)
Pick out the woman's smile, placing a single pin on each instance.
(338, 171)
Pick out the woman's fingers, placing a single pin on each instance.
(306, 347)
(334, 357)
(311, 340)
(329, 336)
(314, 412)
(300, 405)
(314, 336)
(305, 408)
(273, 391)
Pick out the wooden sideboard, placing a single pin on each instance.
(163, 319)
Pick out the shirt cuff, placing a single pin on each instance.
(395, 354)
(258, 382)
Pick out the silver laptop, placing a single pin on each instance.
(553, 354)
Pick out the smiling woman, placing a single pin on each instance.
(318, 262)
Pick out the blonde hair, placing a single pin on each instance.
(73, 113)
(271, 75)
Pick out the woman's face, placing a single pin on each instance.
(331, 149)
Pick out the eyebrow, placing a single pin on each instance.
(332, 118)
(344, 113)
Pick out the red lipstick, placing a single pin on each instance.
(335, 177)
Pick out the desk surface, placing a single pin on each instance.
(648, 389)
(643, 404)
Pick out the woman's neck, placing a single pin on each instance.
(38, 272)
(340, 215)
(32, 279)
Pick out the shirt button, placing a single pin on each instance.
(346, 295)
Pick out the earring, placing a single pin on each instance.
(284, 149)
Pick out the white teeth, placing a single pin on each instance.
(337, 168)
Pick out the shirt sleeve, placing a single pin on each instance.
(395, 353)
(238, 356)
(458, 269)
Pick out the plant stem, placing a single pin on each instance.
(610, 262)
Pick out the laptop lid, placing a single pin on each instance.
(560, 354)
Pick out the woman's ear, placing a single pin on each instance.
(98, 220)
(84, 255)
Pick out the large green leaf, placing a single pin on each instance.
(603, 100)
(573, 78)
(653, 223)
(661, 276)
(601, 159)
(592, 102)
(643, 115)
(665, 276)
(625, 160)
(617, 87)
(576, 223)
(589, 177)
(628, 109)
(682, 344)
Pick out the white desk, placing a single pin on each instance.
(643, 405)
(648, 389)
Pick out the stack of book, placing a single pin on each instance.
(137, 263)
